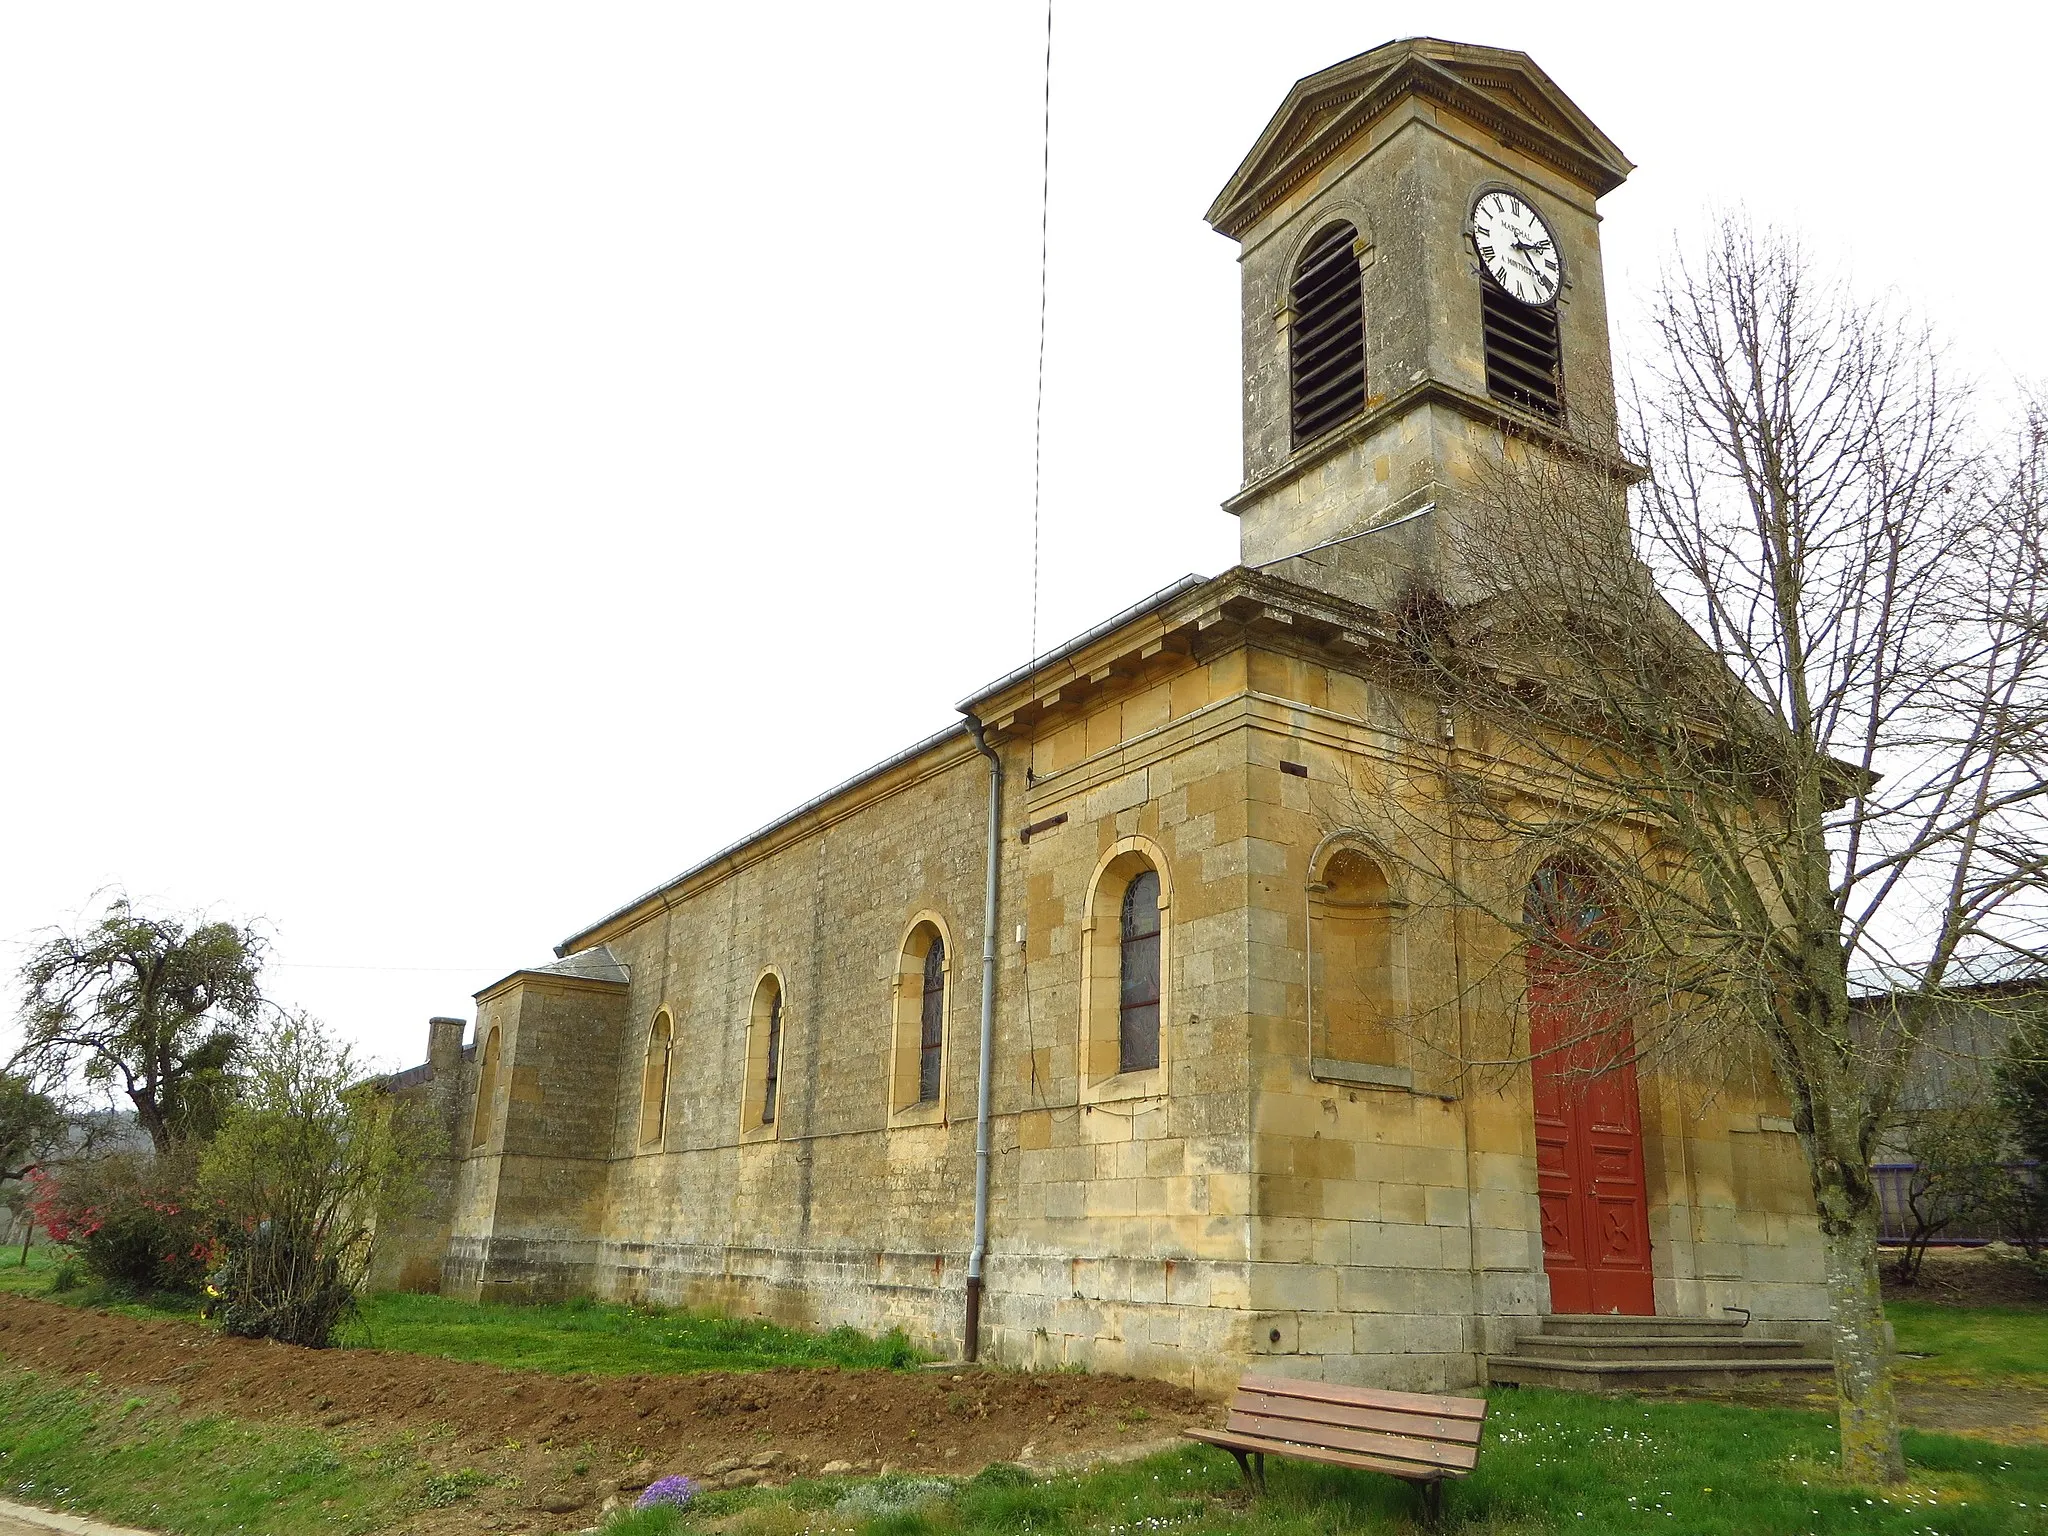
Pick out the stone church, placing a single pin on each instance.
(1106, 1027)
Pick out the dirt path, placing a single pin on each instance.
(27, 1520)
(941, 1421)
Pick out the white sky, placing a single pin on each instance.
(461, 464)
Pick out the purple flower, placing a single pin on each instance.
(674, 1490)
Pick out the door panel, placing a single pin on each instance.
(1589, 1141)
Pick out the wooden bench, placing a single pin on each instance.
(1418, 1438)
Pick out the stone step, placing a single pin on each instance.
(1540, 1346)
(1639, 1375)
(1613, 1325)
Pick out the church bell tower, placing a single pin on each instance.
(1421, 279)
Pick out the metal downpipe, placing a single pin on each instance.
(979, 1251)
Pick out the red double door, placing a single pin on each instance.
(1589, 1144)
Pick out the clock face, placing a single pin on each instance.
(1516, 246)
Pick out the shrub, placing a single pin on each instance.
(2022, 1078)
(274, 1283)
(309, 1160)
(890, 1496)
(1957, 1175)
(132, 1220)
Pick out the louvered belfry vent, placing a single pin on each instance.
(1521, 351)
(1327, 352)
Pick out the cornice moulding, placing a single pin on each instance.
(1484, 408)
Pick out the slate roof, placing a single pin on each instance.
(595, 964)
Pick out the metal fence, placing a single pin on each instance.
(1895, 1188)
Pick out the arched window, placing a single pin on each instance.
(1127, 974)
(761, 1097)
(931, 1018)
(1355, 990)
(1137, 1031)
(917, 1048)
(486, 1090)
(654, 1080)
(1326, 338)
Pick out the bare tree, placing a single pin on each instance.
(152, 1008)
(1799, 720)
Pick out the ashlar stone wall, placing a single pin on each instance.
(529, 1196)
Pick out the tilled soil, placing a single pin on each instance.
(943, 1421)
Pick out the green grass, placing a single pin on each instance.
(646, 1522)
(32, 1279)
(140, 1462)
(1553, 1462)
(564, 1337)
(1989, 1343)
(579, 1336)
(38, 1278)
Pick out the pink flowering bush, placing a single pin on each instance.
(131, 1218)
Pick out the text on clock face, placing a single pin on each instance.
(1517, 247)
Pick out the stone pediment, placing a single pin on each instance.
(1500, 89)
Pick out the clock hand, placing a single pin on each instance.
(1528, 263)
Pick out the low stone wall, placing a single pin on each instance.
(1176, 1320)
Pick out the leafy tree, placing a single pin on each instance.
(33, 1125)
(154, 1008)
(308, 1162)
